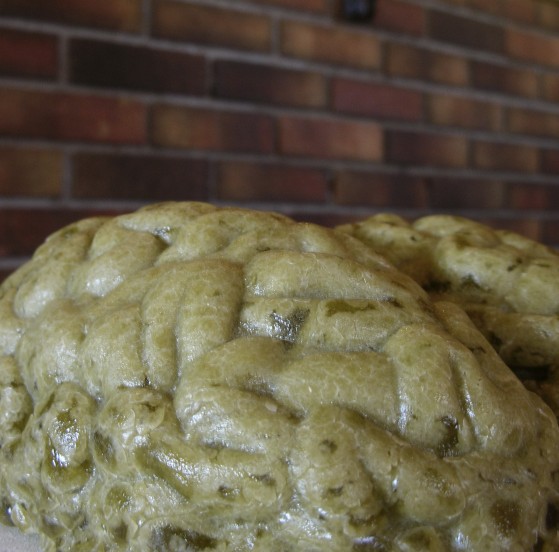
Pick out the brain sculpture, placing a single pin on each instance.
(508, 284)
(193, 378)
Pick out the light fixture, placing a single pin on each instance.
(357, 10)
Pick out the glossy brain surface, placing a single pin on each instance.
(507, 284)
(189, 377)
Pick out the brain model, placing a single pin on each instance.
(506, 283)
(192, 378)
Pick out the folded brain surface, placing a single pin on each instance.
(507, 284)
(188, 377)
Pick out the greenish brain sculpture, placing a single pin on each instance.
(188, 377)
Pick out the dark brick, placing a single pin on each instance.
(529, 226)
(328, 219)
(446, 69)
(115, 65)
(523, 11)
(379, 190)
(30, 172)
(206, 129)
(376, 100)
(211, 25)
(548, 15)
(118, 15)
(531, 122)
(493, 8)
(22, 230)
(550, 87)
(541, 197)
(139, 177)
(463, 3)
(28, 54)
(415, 148)
(6, 271)
(399, 16)
(403, 60)
(505, 157)
(317, 6)
(238, 181)
(64, 116)
(550, 233)
(499, 78)
(462, 193)
(463, 31)
(267, 84)
(550, 161)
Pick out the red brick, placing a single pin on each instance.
(336, 45)
(543, 197)
(463, 31)
(537, 123)
(202, 24)
(505, 157)
(30, 172)
(266, 84)
(411, 62)
(499, 78)
(238, 181)
(119, 15)
(139, 177)
(464, 193)
(550, 161)
(376, 100)
(330, 139)
(205, 129)
(386, 191)
(532, 47)
(399, 16)
(31, 114)
(416, 148)
(463, 112)
(22, 230)
(28, 54)
(115, 65)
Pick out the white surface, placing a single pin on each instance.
(11, 540)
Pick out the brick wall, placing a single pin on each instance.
(435, 105)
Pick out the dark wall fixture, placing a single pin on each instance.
(357, 10)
